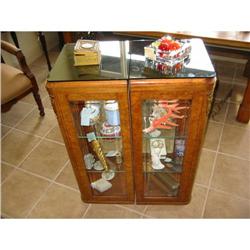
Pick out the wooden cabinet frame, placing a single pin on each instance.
(196, 90)
(62, 93)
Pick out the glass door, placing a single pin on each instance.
(164, 132)
(100, 136)
(95, 121)
(168, 122)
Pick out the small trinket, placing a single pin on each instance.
(89, 115)
(112, 112)
(98, 165)
(165, 122)
(89, 161)
(110, 131)
(119, 158)
(158, 148)
(101, 185)
(167, 159)
(107, 174)
(179, 147)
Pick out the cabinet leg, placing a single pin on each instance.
(244, 110)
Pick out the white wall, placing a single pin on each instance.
(30, 45)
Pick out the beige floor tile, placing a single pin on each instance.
(192, 210)
(212, 135)
(16, 146)
(38, 125)
(47, 103)
(6, 170)
(4, 130)
(67, 177)
(59, 202)
(220, 205)
(231, 117)
(46, 160)
(235, 141)
(138, 208)
(16, 113)
(103, 211)
(232, 175)
(55, 134)
(205, 167)
(222, 90)
(218, 112)
(239, 78)
(20, 192)
(238, 93)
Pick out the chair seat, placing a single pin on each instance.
(13, 83)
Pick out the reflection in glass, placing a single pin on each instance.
(98, 127)
(165, 124)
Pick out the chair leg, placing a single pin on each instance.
(39, 102)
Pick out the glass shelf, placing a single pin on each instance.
(164, 137)
(175, 168)
(101, 137)
(100, 171)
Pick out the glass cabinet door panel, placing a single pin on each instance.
(98, 129)
(165, 126)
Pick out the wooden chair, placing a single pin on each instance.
(15, 83)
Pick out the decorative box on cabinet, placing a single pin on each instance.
(111, 120)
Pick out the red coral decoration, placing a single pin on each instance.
(172, 108)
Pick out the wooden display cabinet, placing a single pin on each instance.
(171, 179)
(110, 118)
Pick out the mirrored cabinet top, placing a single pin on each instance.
(122, 60)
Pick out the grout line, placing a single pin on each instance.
(237, 126)
(208, 149)
(230, 194)
(213, 167)
(145, 209)
(26, 171)
(18, 122)
(129, 209)
(26, 133)
(41, 177)
(233, 156)
(86, 211)
(18, 166)
(212, 121)
(226, 154)
(45, 191)
(39, 199)
(200, 185)
(68, 187)
(57, 142)
(38, 136)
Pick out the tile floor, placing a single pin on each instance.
(37, 180)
